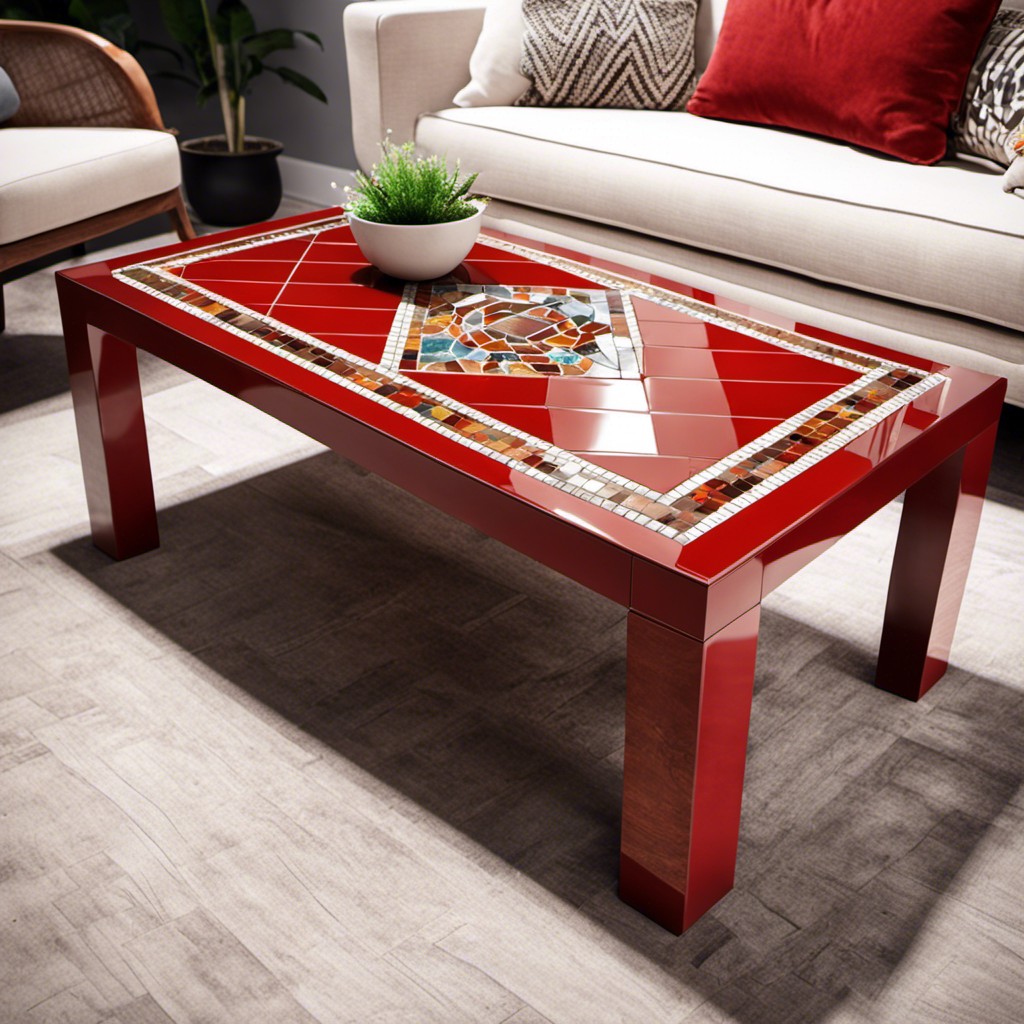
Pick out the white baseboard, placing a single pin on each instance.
(313, 182)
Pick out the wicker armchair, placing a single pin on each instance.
(69, 78)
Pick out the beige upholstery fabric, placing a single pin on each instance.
(50, 177)
(709, 21)
(405, 57)
(944, 236)
(1013, 179)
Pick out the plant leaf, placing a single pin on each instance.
(120, 29)
(148, 44)
(178, 76)
(298, 80)
(263, 43)
(405, 189)
(206, 91)
(234, 21)
(184, 21)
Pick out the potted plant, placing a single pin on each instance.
(231, 178)
(111, 19)
(412, 217)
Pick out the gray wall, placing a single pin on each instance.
(308, 129)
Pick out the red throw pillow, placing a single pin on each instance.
(884, 74)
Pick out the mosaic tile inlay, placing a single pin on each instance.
(516, 330)
(682, 513)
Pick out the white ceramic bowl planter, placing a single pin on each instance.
(417, 252)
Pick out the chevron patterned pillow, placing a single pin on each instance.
(608, 53)
(993, 103)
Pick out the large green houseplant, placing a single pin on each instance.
(231, 178)
(111, 19)
(108, 18)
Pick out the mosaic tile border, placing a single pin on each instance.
(685, 512)
(412, 312)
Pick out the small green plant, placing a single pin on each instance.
(406, 189)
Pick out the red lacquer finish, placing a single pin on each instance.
(712, 460)
(105, 390)
(687, 715)
(940, 519)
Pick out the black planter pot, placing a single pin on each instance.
(230, 189)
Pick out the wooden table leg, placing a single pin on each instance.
(112, 439)
(933, 553)
(687, 717)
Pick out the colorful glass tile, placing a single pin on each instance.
(517, 330)
(521, 315)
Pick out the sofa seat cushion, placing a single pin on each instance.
(50, 177)
(944, 236)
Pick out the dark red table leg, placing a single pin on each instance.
(112, 440)
(933, 553)
(687, 716)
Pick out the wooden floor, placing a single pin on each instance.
(329, 756)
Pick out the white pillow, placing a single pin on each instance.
(1014, 176)
(494, 65)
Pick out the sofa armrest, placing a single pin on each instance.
(67, 77)
(405, 58)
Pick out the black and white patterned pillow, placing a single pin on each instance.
(609, 53)
(993, 104)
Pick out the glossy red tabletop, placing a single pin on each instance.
(686, 430)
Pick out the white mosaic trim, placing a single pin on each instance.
(238, 245)
(391, 357)
(776, 434)
(633, 357)
(821, 451)
(573, 474)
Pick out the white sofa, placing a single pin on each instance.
(929, 260)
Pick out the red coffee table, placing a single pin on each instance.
(678, 454)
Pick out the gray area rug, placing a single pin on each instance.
(328, 755)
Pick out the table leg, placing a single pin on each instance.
(687, 717)
(112, 440)
(933, 553)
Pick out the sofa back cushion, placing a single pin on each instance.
(709, 22)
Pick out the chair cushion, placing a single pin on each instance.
(943, 237)
(50, 177)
